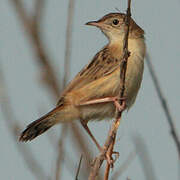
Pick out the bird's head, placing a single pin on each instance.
(113, 26)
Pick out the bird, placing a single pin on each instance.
(93, 91)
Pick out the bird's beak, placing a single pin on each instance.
(94, 23)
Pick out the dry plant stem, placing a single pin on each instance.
(79, 166)
(78, 135)
(68, 160)
(107, 170)
(112, 134)
(39, 5)
(67, 58)
(31, 25)
(82, 143)
(68, 43)
(82, 146)
(122, 78)
(164, 104)
(101, 157)
(14, 128)
(61, 153)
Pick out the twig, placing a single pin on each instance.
(67, 160)
(112, 134)
(31, 25)
(109, 152)
(79, 166)
(164, 104)
(67, 58)
(14, 128)
(61, 153)
(39, 5)
(122, 78)
(68, 43)
(81, 143)
(32, 28)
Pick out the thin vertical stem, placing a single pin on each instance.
(67, 58)
(112, 133)
(14, 127)
(164, 104)
(68, 43)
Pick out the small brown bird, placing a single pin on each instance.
(99, 80)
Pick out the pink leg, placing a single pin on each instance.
(119, 106)
(96, 101)
(85, 126)
(107, 99)
(109, 159)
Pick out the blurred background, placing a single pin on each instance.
(43, 45)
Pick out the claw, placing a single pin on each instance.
(120, 107)
(110, 159)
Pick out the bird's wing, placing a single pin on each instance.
(101, 65)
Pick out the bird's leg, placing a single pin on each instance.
(97, 101)
(120, 108)
(115, 99)
(108, 157)
(85, 126)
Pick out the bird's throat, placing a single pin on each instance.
(135, 46)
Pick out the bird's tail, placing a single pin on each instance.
(39, 126)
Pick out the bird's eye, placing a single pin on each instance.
(115, 21)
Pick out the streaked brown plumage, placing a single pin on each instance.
(99, 79)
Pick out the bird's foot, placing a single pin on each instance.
(110, 160)
(108, 157)
(121, 107)
(116, 101)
